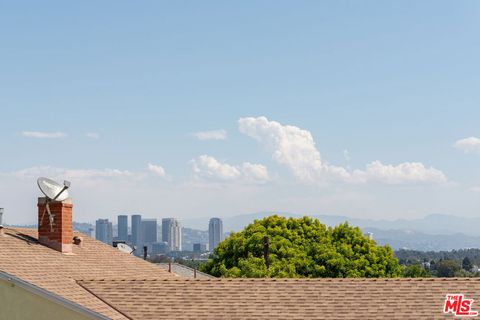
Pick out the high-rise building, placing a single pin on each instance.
(215, 232)
(172, 233)
(166, 222)
(199, 247)
(149, 231)
(136, 230)
(104, 231)
(122, 227)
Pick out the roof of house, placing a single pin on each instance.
(48, 295)
(23, 257)
(399, 298)
(119, 286)
(185, 271)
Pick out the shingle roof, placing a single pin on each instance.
(284, 298)
(119, 286)
(184, 271)
(23, 257)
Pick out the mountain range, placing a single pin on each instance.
(435, 224)
(433, 232)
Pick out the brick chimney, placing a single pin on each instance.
(59, 235)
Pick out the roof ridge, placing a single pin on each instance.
(346, 280)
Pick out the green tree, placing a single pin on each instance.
(301, 247)
(447, 268)
(415, 271)
(467, 264)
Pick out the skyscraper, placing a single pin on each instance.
(215, 232)
(149, 231)
(103, 231)
(122, 227)
(172, 233)
(199, 247)
(166, 228)
(137, 230)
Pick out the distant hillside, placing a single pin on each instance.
(234, 223)
(191, 236)
(433, 232)
(413, 240)
(435, 224)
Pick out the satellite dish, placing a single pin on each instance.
(54, 191)
(125, 248)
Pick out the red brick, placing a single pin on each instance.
(62, 227)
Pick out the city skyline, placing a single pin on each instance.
(158, 238)
(364, 110)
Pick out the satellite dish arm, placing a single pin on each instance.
(66, 185)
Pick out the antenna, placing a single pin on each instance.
(54, 191)
(125, 248)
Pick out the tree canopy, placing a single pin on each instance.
(447, 268)
(467, 264)
(415, 271)
(301, 247)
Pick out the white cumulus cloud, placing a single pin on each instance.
(208, 167)
(468, 145)
(406, 172)
(255, 172)
(290, 145)
(43, 135)
(295, 148)
(211, 135)
(156, 169)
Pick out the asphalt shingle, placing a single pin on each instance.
(284, 298)
(23, 257)
(120, 286)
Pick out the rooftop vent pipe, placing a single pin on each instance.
(1, 222)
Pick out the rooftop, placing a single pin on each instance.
(119, 286)
(23, 257)
(399, 298)
(184, 271)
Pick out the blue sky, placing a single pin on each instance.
(393, 82)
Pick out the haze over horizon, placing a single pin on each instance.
(367, 110)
